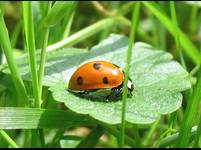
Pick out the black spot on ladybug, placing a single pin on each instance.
(97, 66)
(79, 80)
(105, 80)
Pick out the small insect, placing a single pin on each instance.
(99, 80)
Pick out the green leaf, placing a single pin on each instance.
(33, 118)
(158, 81)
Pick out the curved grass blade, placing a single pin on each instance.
(30, 41)
(5, 136)
(186, 43)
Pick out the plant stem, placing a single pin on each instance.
(30, 40)
(7, 138)
(135, 16)
(43, 56)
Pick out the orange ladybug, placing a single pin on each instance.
(98, 80)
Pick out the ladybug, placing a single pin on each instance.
(99, 80)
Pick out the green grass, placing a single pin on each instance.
(30, 42)
(135, 16)
(31, 115)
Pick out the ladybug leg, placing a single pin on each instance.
(115, 94)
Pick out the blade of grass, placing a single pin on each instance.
(7, 138)
(43, 5)
(35, 118)
(173, 116)
(16, 33)
(30, 41)
(135, 16)
(186, 43)
(58, 11)
(190, 114)
(42, 68)
(176, 33)
(162, 31)
(125, 8)
(7, 49)
(68, 26)
(83, 34)
(43, 55)
(193, 17)
(92, 139)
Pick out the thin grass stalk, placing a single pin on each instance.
(43, 55)
(30, 41)
(68, 27)
(173, 116)
(42, 69)
(8, 139)
(135, 17)
(193, 17)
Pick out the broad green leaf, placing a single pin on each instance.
(33, 118)
(158, 81)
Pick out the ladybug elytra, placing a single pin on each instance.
(98, 80)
